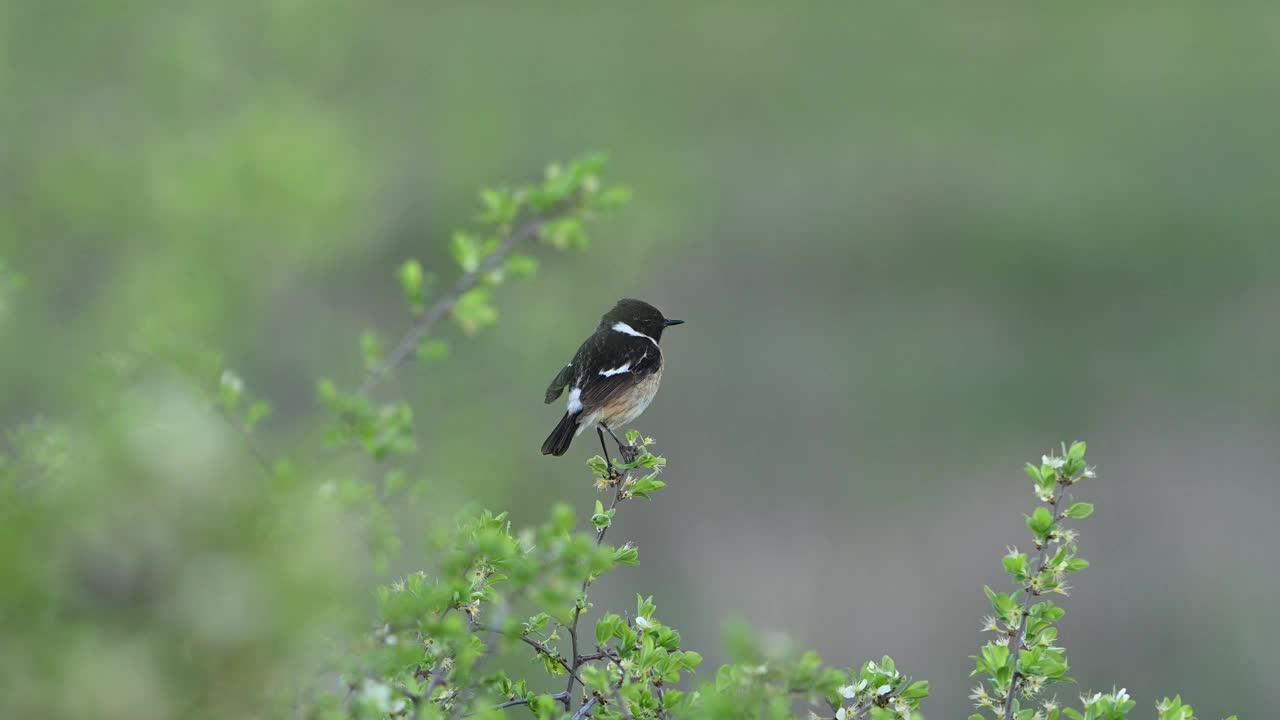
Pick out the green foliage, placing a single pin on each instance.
(438, 641)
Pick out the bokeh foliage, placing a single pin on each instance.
(943, 207)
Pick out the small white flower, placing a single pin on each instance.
(883, 689)
(862, 685)
(840, 714)
(1090, 473)
(643, 623)
(1123, 695)
(989, 624)
(1053, 462)
(232, 382)
(376, 694)
(848, 691)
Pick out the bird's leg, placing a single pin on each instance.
(613, 473)
(629, 453)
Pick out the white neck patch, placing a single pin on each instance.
(626, 329)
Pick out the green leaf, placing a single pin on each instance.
(1076, 452)
(433, 350)
(473, 311)
(690, 659)
(537, 623)
(602, 518)
(1033, 471)
(521, 266)
(916, 690)
(606, 627)
(466, 251)
(1040, 522)
(1015, 564)
(1077, 564)
(598, 465)
(646, 486)
(371, 350)
(411, 282)
(994, 657)
(614, 197)
(628, 554)
(1080, 510)
(256, 412)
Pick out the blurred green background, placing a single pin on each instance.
(916, 244)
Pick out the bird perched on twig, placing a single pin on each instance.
(612, 378)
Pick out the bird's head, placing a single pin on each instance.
(640, 316)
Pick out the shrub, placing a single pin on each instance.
(492, 592)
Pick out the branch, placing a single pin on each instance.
(542, 648)
(409, 343)
(1041, 561)
(577, 608)
(517, 703)
(258, 455)
(586, 708)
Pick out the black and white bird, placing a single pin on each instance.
(613, 376)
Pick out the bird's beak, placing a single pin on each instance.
(669, 323)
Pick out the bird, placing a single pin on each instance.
(612, 377)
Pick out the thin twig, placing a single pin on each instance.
(522, 701)
(250, 443)
(577, 608)
(586, 708)
(544, 650)
(1041, 561)
(622, 703)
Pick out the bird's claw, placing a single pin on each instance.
(629, 453)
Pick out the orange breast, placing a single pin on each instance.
(627, 406)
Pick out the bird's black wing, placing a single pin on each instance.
(556, 388)
(629, 363)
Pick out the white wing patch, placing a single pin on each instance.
(617, 370)
(626, 329)
(575, 400)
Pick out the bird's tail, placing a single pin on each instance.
(557, 443)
